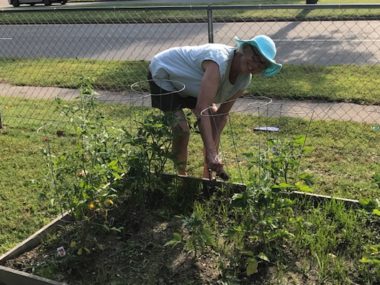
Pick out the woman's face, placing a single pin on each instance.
(251, 61)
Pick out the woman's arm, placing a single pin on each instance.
(209, 87)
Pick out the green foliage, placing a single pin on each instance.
(23, 210)
(279, 163)
(81, 177)
(332, 235)
(245, 230)
(149, 154)
(68, 73)
(376, 179)
(371, 262)
(200, 233)
(152, 143)
(252, 227)
(339, 83)
(372, 255)
(177, 239)
(371, 205)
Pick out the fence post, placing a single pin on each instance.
(210, 25)
(1, 121)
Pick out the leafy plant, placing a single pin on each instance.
(280, 163)
(372, 255)
(371, 261)
(149, 153)
(253, 227)
(376, 179)
(200, 234)
(81, 177)
(371, 205)
(264, 217)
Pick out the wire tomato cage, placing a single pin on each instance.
(157, 93)
(145, 91)
(150, 111)
(257, 128)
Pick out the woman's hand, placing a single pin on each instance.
(214, 163)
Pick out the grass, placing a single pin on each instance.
(22, 167)
(339, 83)
(107, 75)
(344, 157)
(325, 246)
(334, 237)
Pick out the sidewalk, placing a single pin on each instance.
(302, 109)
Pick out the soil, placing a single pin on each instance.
(133, 251)
(135, 256)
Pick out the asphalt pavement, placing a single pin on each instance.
(310, 42)
(322, 43)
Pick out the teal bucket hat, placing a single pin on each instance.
(266, 47)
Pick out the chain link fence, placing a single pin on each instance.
(331, 53)
(331, 56)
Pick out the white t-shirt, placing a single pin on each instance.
(184, 64)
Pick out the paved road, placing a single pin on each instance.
(339, 42)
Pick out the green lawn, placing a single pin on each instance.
(22, 168)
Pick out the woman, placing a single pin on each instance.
(211, 73)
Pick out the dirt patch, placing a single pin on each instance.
(136, 255)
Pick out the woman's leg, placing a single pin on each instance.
(181, 136)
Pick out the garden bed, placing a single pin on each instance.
(9, 276)
(118, 257)
(142, 246)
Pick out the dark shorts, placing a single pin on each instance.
(166, 101)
